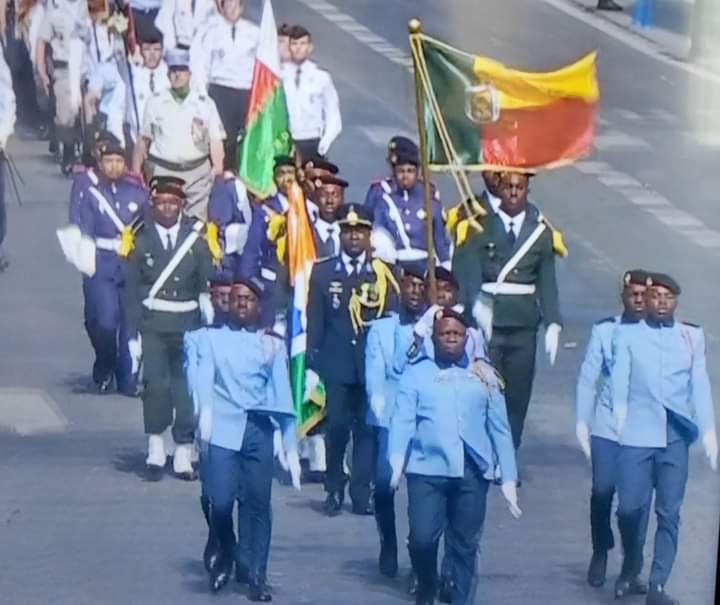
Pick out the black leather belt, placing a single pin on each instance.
(60, 64)
(179, 166)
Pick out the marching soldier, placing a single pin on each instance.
(596, 431)
(105, 210)
(508, 283)
(401, 211)
(230, 218)
(312, 101)
(448, 446)
(7, 124)
(330, 194)
(381, 378)
(344, 292)
(397, 145)
(182, 136)
(660, 408)
(180, 20)
(241, 398)
(227, 52)
(62, 29)
(167, 282)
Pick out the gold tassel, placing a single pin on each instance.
(213, 240)
(276, 227)
(453, 218)
(280, 247)
(462, 231)
(383, 276)
(559, 243)
(127, 242)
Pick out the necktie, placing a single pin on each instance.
(152, 82)
(297, 76)
(232, 32)
(511, 233)
(169, 244)
(331, 240)
(354, 267)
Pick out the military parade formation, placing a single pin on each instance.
(422, 321)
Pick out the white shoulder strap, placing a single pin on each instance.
(105, 207)
(397, 219)
(521, 252)
(180, 253)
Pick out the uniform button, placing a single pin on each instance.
(353, 341)
(515, 271)
(407, 211)
(175, 293)
(177, 278)
(407, 227)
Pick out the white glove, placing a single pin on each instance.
(205, 423)
(582, 432)
(377, 405)
(509, 492)
(293, 467)
(207, 311)
(552, 341)
(278, 450)
(312, 380)
(323, 147)
(424, 325)
(397, 462)
(482, 312)
(710, 445)
(620, 417)
(135, 349)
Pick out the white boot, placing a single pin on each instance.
(182, 464)
(168, 441)
(316, 453)
(156, 451)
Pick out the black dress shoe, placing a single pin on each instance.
(609, 5)
(365, 508)
(633, 586)
(446, 590)
(597, 569)
(220, 576)
(258, 591)
(412, 584)
(388, 561)
(333, 504)
(153, 472)
(657, 596)
(187, 475)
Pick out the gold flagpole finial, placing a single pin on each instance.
(414, 26)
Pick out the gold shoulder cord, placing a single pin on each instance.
(484, 371)
(277, 233)
(213, 240)
(371, 296)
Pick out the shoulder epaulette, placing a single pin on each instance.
(610, 319)
(689, 323)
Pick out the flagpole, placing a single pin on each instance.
(414, 28)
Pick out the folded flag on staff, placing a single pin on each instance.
(301, 256)
(266, 127)
(480, 114)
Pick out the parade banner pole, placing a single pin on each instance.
(414, 28)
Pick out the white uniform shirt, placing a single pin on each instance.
(313, 105)
(516, 221)
(179, 20)
(146, 82)
(229, 59)
(63, 21)
(7, 102)
(181, 131)
(108, 87)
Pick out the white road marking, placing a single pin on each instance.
(360, 32)
(644, 197)
(630, 39)
(592, 166)
(628, 114)
(615, 139)
(618, 179)
(30, 411)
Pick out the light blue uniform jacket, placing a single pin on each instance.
(659, 370)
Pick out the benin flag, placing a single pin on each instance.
(481, 114)
(301, 256)
(266, 129)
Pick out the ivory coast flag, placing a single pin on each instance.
(301, 256)
(266, 125)
(481, 114)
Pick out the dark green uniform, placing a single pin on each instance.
(163, 322)
(517, 311)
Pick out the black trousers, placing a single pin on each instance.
(346, 410)
(512, 352)
(165, 386)
(456, 506)
(308, 148)
(145, 24)
(248, 474)
(232, 105)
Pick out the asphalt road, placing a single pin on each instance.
(77, 525)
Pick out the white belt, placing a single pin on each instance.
(508, 288)
(268, 274)
(171, 306)
(111, 244)
(411, 254)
